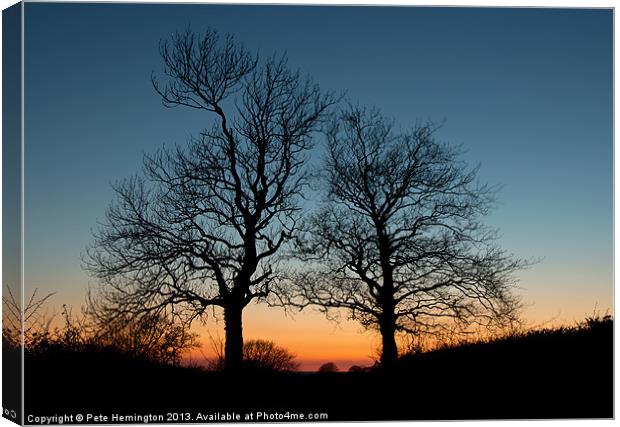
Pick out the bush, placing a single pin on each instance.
(263, 354)
(150, 336)
(328, 367)
(260, 355)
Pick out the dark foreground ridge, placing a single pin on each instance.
(559, 373)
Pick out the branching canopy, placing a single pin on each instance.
(202, 225)
(400, 230)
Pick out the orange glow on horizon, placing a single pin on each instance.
(315, 340)
(309, 335)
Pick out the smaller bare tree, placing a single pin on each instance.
(398, 241)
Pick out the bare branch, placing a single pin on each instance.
(399, 240)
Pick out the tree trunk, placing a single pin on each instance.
(387, 326)
(233, 352)
(389, 351)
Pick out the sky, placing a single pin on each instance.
(527, 92)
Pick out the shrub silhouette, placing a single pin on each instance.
(527, 348)
(37, 332)
(553, 373)
(151, 336)
(261, 355)
(328, 367)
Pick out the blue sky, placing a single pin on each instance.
(528, 92)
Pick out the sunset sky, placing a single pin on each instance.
(528, 92)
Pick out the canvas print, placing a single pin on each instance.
(300, 213)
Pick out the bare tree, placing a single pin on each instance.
(203, 225)
(398, 241)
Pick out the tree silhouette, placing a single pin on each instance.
(398, 241)
(266, 355)
(203, 225)
(261, 355)
(328, 367)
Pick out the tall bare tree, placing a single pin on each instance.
(398, 241)
(203, 225)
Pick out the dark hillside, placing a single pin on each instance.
(559, 373)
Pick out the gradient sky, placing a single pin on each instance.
(528, 92)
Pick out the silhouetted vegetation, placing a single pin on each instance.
(544, 373)
(356, 368)
(203, 227)
(260, 356)
(150, 337)
(36, 324)
(328, 367)
(537, 343)
(399, 241)
(548, 373)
